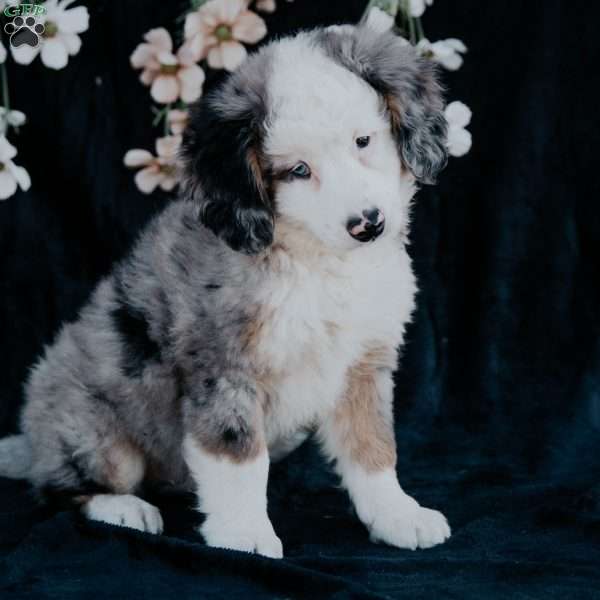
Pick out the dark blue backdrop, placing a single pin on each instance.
(498, 396)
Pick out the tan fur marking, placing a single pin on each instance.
(241, 442)
(366, 433)
(332, 328)
(255, 165)
(394, 110)
(124, 467)
(220, 448)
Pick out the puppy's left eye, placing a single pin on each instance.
(301, 170)
(363, 142)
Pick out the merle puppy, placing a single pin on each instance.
(266, 305)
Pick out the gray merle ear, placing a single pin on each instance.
(408, 85)
(223, 168)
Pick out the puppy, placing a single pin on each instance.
(266, 305)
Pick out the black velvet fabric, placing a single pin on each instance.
(498, 395)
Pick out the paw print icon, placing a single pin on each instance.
(24, 31)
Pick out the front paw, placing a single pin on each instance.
(257, 537)
(410, 526)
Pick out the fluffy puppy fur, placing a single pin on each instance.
(266, 305)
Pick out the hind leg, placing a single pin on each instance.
(103, 485)
(83, 457)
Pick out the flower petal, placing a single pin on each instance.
(7, 150)
(54, 53)
(231, 55)
(416, 7)
(215, 57)
(226, 11)
(141, 56)
(160, 38)
(137, 158)
(191, 79)
(167, 147)
(25, 54)
(72, 41)
(3, 53)
(20, 175)
(196, 48)
(16, 118)
(192, 25)
(379, 20)
(458, 113)
(8, 184)
(166, 58)
(249, 28)
(168, 183)
(165, 89)
(177, 120)
(456, 44)
(268, 6)
(74, 20)
(147, 76)
(459, 141)
(147, 179)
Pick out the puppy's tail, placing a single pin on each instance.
(15, 457)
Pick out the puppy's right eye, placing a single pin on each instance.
(301, 170)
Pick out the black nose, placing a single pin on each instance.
(368, 227)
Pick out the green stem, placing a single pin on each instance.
(166, 113)
(411, 29)
(5, 96)
(420, 32)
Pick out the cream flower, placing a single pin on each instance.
(170, 76)
(60, 38)
(12, 118)
(11, 175)
(216, 29)
(379, 20)
(458, 116)
(177, 120)
(446, 52)
(160, 170)
(417, 7)
(267, 6)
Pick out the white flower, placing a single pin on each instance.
(446, 52)
(417, 7)
(379, 20)
(458, 116)
(11, 174)
(160, 170)
(60, 38)
(14, 118)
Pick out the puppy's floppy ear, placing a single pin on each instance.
(223, 168)
(409, 88)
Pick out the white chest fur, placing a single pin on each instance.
(321, 318)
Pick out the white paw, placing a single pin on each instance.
(256, 537)
(410, 526)
(125, 510)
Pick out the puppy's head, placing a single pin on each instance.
(328, 130)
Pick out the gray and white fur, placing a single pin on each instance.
(265, 305)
